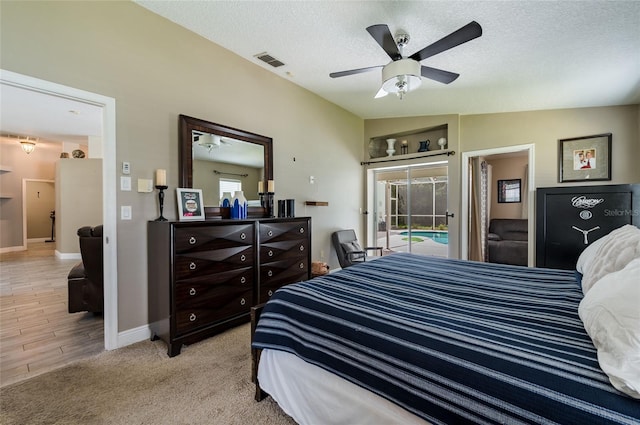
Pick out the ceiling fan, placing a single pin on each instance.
(403, 74)
(210, 141)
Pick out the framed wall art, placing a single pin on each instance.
(584, 158)
(509, 191)
(190, 204)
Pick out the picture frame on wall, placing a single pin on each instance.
(509, 191)
(584, 158)
(190, 204)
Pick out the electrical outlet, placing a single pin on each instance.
(125, 212)
(125, 183)
(312, 179)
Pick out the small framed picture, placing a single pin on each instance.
(190, 205)
(509, 191)
(584, 158)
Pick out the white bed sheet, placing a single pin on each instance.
(312, 396)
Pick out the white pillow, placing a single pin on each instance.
(610, 312)
(614, 253)
(589, 254)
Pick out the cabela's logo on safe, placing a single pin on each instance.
(584, 202)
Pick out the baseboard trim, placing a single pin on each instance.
(36, 240)
(12, 249)
(68, 255)
(131, 336)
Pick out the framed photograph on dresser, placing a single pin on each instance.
(584, 158)
(190, 204)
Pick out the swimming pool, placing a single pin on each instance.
(440, 237)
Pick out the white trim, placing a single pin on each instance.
(131, 336)
(36, 240)
(68, 255)
(464, 225)
(109, 200)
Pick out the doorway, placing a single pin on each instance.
(107, 104)
(39, 202)
(526, 209)
(410, 209)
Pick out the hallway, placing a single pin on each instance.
(37, 334)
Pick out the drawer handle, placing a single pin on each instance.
(193, 317)
(192, 266)
(192, 291)
(270, 233)
(192, 240)
(243, 236)
(270, 292)
(270, 273)
(243, 257)
(243, 279)
(302, 230)
(301, 247)
(301, 265)
(270, 253)
(243, 301)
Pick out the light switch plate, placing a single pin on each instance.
(125, 183)
(145, 185)
(126, 168)
(125, 212)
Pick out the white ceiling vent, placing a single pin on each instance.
(267, 58)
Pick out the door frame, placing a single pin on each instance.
(464, 222)
(109, 200)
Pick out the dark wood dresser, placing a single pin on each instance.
(204, 276)
(568, 219)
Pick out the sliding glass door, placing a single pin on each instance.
(410, 207)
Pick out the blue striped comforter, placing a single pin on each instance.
(451, 341)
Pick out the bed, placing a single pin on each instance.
(414, 339)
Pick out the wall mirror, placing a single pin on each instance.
(214, 156)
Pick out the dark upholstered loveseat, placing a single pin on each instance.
(508, 241)
(85, 280)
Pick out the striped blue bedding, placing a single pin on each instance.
(451, 341)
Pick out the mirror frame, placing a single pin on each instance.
(187, 125)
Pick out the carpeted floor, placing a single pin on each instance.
(208, 383)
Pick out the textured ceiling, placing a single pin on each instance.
(532, 54)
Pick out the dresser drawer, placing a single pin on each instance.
(284, 271)
(205, 238)
(204, 263)
(211, 310)
(235, 277)
(275, 251)
(288, 230)
(267, 289)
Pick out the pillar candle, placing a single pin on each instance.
(271, 187)
(260, 186)
(161, 177)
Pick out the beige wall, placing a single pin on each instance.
(544, 128)
(507, 169)
(78, 200)
(157, 70)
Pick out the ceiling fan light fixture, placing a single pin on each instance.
(209, 141)
(401, 77)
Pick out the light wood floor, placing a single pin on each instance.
(37, 334)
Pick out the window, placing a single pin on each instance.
(232, 186)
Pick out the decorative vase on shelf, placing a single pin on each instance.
(225, 201)
(239, 205)
(442, 142)
(391, 147)
(424, 145)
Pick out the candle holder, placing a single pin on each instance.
(266, 200)
(161, 190)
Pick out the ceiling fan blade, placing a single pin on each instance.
(353, 71)
(467, 33)
(445, 77)
(383, 37)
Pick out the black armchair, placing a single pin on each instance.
(348, 249)
(85, 280)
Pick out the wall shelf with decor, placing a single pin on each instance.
(317, 203)
(410, 144)
(446, 152)
(5, 168)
